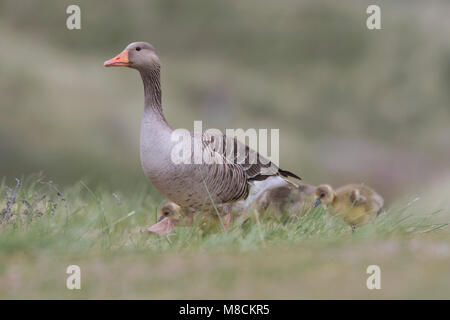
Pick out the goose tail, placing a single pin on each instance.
(285, 173)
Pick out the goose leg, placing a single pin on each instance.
(226, 220)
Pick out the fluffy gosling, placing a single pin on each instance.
(287, 200)
(355, 203)
(171, 215)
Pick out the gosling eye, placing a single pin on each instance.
(138, 48)
(322, 195)
(166, 213)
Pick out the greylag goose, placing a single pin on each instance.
(217, 184)
(355, 203)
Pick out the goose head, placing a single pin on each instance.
(137, 55)
(324, 194)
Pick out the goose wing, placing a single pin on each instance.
(235, 165)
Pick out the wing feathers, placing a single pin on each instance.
(236, 165)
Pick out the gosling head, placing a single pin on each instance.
(137, 55)
(169, 210)
(324, 194)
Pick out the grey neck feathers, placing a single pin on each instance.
(152, 90)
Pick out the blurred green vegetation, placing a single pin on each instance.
(352, 105)
(45, 228)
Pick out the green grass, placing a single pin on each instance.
(47, 229)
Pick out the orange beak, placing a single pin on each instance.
(121, 60)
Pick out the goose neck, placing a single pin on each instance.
(152, 93)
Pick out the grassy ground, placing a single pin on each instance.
(45, 229)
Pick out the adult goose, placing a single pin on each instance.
(216, 184)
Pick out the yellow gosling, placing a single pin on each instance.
(170, 210)
(355, 203)
(171, 215)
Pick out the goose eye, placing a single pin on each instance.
(138, 48)
(322, 195)
(166, 213)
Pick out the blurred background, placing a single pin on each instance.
(352, 105)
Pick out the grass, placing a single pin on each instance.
(45, 229)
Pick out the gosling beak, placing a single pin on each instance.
(316, 203)
(121, 60)
(161, 218)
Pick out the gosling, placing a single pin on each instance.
(171, 215)
(286, 200)
(355, 203)
(169, 210)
